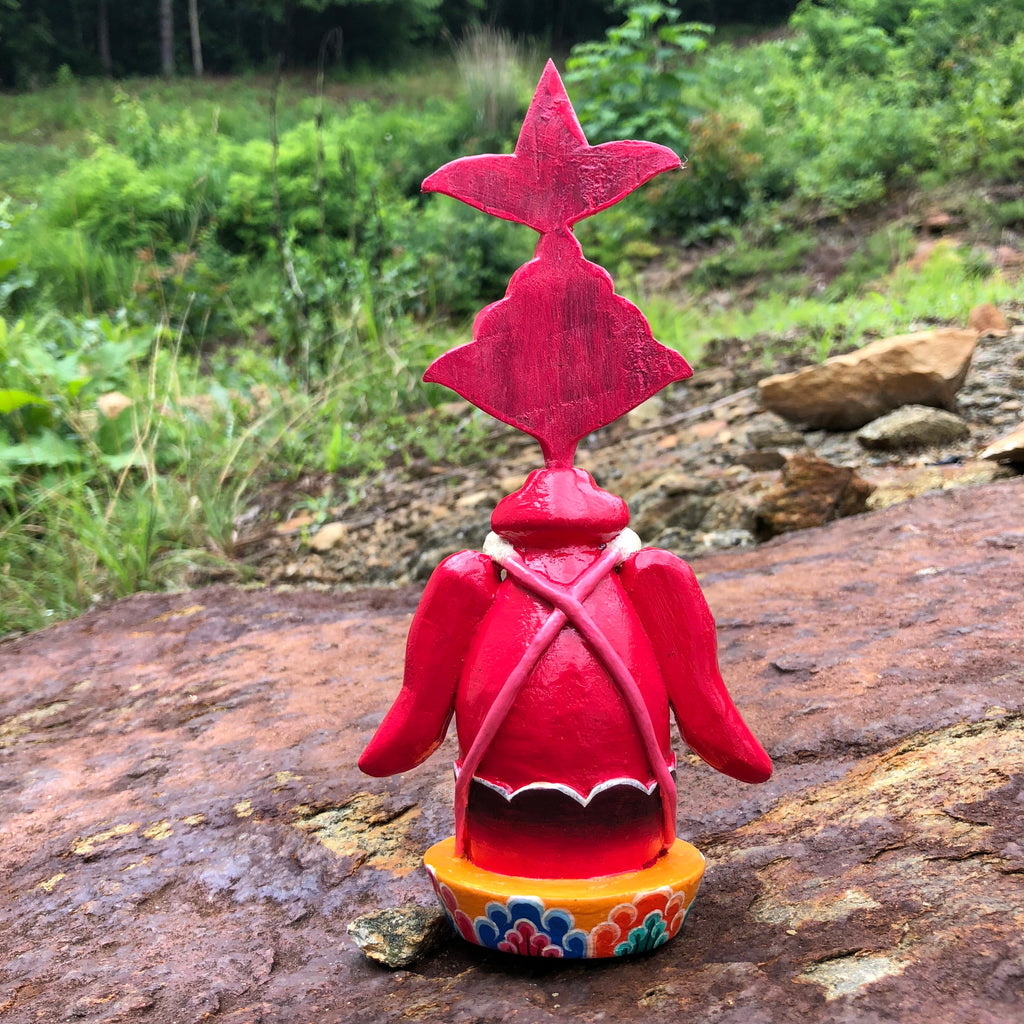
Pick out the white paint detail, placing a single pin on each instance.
(497, 549)
(624, 544)
(560, 787)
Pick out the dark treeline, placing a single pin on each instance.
(143, 37)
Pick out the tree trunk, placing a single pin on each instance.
(103, 38)
(166, 38)
(197, 43)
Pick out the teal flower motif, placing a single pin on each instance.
(649, 934)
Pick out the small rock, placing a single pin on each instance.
(795, 663)
(913, 426)
(847, 391)
(674, 484)
(761, 459)
(812, 492)
(112, 404)
(717, 539)
(1007, 449)
(713, 377)
(936, 220)
(397, 936)
(475, 499)
(294, 525)
(646, 413)
(775, 437)
(706, 429)
(329, 536)
(988, 321)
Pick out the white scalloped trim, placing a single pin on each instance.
(560, 787)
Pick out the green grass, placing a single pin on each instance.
(946, 288)
(268, 304)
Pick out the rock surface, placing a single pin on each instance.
(186, 837)
(845, 392)
(399, 936)
(913, 426)
(1007, 449)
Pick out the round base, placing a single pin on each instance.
(580, 918)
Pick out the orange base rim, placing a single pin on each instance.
(573, 918)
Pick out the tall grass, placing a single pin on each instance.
(492, 68)
(944, 289)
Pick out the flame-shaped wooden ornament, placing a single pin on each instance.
(561, 354)
(561, 647)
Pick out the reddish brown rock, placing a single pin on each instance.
(988, 320)
(1007, 449)
(845, 392)
(811, 492)
(186, 837)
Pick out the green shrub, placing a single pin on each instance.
(743, 260)
(855, 144)
(631, 84)
(931, 43)
(716, 187)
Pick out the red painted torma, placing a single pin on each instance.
(562, 647)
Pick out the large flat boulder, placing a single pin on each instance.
(847, 391)
(1007, 449)
(186, 837)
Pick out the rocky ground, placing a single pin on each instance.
(186, 837)
(703, 467)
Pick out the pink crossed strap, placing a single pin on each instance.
(567, 605)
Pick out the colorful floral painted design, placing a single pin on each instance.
(648, 922)
(459, 920)
(522, 926)
(526, 927)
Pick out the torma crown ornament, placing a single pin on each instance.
(561, 647)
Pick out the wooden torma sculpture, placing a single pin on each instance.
(561, 647)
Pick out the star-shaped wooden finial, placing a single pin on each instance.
(554, 178)
(561, 354)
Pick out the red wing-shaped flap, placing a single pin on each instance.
(454, 603)
(672, 609)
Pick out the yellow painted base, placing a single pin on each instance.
(612, 915)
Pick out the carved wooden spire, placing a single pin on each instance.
(561, 354)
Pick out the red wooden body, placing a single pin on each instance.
(561, 647)
(572, 778)
(561, 354)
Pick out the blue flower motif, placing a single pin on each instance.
(549, 932)
(651, 933)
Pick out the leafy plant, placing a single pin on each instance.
(631, 84)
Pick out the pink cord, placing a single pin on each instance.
(568, 607)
